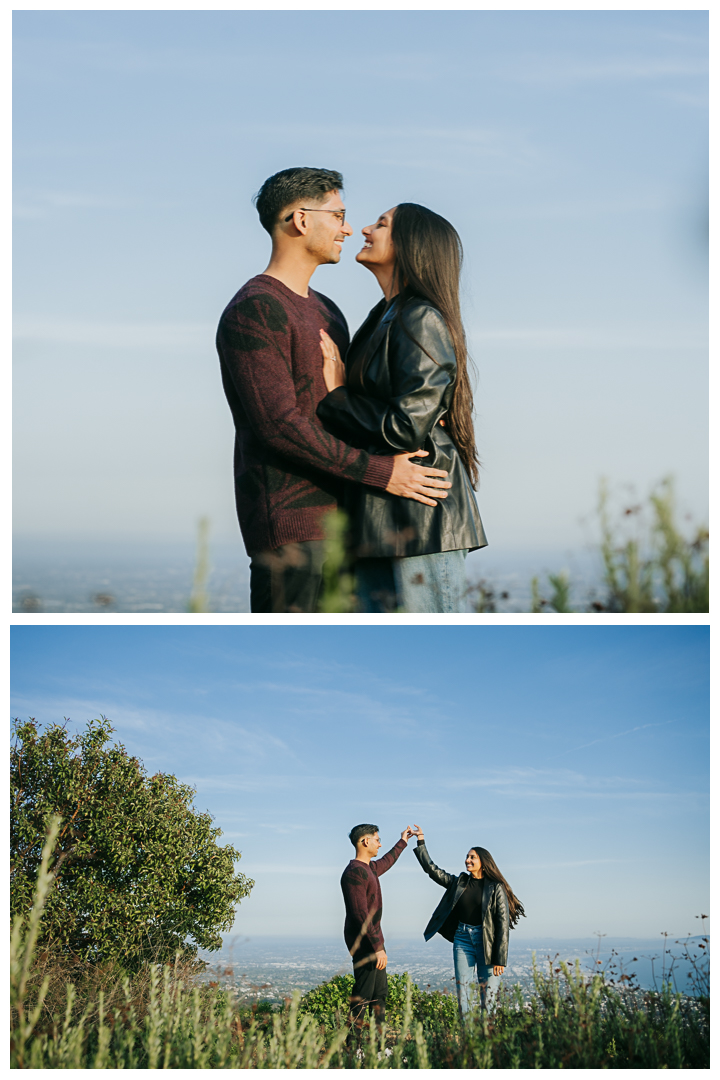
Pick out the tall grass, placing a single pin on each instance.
(161, 1019)
(648, 563)
(655, 568)
(23, 939)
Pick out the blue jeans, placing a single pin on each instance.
(418, 583)
(468, 954)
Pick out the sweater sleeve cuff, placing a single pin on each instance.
(379, 471)
(420, 842)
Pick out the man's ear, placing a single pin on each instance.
(297, 224)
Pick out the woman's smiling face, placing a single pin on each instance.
(378, 249)
(473, 864)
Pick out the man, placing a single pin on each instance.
(363, 912)
(288, 469)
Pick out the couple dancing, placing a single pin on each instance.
(476, 914)
(381, 425)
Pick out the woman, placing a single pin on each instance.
(405, 387)
(476, 914)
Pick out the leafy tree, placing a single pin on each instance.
(138, 873)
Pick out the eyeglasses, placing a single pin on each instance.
(339, 214)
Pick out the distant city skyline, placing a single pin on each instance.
(577, 755)
(569, 148)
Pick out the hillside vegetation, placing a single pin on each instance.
(159, 1017)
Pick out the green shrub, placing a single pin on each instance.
(332, 999)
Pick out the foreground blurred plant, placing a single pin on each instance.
(482, 597)
(664, 571)
(648, 566)
(198, 597)
(338, 581)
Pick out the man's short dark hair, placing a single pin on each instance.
(359, 831)
(286, 187)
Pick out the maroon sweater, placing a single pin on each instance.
(363, 902)
(288, 469)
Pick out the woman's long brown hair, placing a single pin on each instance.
(428, 259)
(490, 871)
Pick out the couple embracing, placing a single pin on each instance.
(380, 425)
(475, 914)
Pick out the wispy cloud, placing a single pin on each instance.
(328, 701)
(190, 335)
(559, 69)
(553, 784)
(617, 735)
(456, 149)
(233, 783)
(40, 204)
(570, 864)
(517, 783)
(300, 870)
(198, 335)
(590, 337)
(333, 670)
(219, 736)
(685, 97)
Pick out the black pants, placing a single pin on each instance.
(369, 990)
(287, 579)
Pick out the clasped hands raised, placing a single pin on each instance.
(412, 830)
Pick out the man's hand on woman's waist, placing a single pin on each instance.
(418, 482)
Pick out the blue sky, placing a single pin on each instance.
(569, 149)
(577, 755)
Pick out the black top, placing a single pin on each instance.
(495, 924)
(400, 383)
(469, 907)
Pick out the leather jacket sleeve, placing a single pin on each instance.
(501, 924)
(419, 384)
(440, 876)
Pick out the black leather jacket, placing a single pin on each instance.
(495, 910)
(394, 398)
